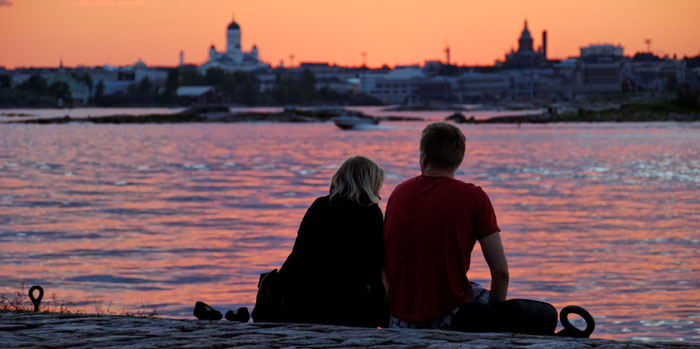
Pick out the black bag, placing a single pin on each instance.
(523, 316)
(520, 316)
(269, 300)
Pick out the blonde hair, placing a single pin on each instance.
(358, 180)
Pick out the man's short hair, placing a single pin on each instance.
(443, 145)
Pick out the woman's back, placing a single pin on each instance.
(333, 274)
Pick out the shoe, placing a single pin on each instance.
(202, 311)
(240, 314)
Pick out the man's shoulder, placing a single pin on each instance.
(407, 183)
(403, 191)
(451, 183)
(467, 187)
(471, 192)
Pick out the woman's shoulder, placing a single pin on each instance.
(322, 200)
(345, 207)
(345, 204)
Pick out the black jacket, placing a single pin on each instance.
(333, 274)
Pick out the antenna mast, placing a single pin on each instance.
(447, 53)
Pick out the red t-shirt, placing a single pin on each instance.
(430, 227)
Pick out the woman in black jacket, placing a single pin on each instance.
(333, 274)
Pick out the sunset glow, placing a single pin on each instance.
(119, 32)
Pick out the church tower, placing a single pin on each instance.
(233, 42)
(254, 52)
(212, 53)
(525, 42)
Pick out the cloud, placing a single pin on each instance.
(5, 3)
(106, 2)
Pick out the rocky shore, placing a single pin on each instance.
(624, 113)
(42, 330)
(618, 113)
(184, 117)
(191, 116)
(593, 116)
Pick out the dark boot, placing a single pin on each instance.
(240, 314)
(202, 311)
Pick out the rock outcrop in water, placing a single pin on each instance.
(101, 331)
(184, 117)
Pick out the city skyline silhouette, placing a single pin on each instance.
(120, 32)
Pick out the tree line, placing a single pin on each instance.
(240, 87)
(37, 92)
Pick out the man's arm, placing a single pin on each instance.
(495, 256)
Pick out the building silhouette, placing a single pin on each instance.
(526, 56)
(233, 58)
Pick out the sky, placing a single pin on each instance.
(120, 32)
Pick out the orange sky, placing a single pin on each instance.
(118, 32)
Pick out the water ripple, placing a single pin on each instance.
(600, 215)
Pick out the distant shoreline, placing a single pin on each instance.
(207, 115)
(590, 117)
(286, 118)
(624, 113)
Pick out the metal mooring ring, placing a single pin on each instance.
(36, 301)
(571, 330)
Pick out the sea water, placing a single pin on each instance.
(129, 217)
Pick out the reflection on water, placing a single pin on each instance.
(604, 216)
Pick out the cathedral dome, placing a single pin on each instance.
(525, 42)
(234, 26)
(526, 33)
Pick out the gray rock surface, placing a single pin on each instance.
(104, 331)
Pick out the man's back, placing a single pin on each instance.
(430, 228)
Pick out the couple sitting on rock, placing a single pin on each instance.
(347, 258)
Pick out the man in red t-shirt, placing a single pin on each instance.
(431, 225)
